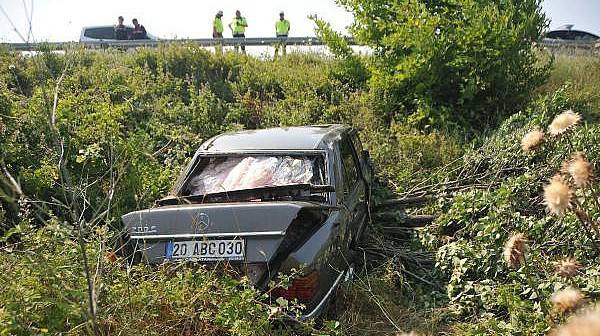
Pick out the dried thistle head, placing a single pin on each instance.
(563, 122)
(514, 250)
(586, 324)
(567, 300)
(567, 267)
(581, 170)
(557, 195)
(532, 140)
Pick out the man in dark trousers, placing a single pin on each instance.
(238, 28)
(138, 32)
(120, 31)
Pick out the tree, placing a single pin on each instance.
(470, 62)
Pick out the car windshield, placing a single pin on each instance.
(230, 173)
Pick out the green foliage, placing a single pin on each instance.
(124, 125)
(140, 300)
(439, 63)
(579, 78)
(474, 225)
(129, 121)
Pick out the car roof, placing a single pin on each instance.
(105, 26)
(279, 138)
(561, 29)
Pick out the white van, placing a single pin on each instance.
(105, 34)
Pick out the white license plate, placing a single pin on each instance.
(206, 250)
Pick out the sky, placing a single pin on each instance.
(62, 20)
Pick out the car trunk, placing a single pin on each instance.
(269, 230)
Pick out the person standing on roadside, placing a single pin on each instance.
(238, 28)
(282, 29)
(139, 31)
(120, 31)
(218, 31)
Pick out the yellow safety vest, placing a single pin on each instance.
(282, 27)
(218, 25)
(239, 25)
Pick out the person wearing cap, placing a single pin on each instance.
(238, 28)
(218, 31)
(282, 29)
(120, 31)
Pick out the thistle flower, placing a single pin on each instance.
(532, 140)
(587, 324)
(581, 170)
(563, 122)
(567, 300)
(567, 267)
(514, 250)
(557, 195)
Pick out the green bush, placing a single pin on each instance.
(123, 127)
(468, 63)
(45, 274)
(126, 123)
(474, 225)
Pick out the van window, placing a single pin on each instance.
(101, 33)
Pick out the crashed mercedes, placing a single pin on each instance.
(266, 202)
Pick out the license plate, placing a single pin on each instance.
(206, 250)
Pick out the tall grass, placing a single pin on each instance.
(581, 74)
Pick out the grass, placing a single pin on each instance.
(582, 75)
(386, 301)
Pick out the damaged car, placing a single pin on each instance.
(266, 202)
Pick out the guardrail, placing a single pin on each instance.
(552, 45)
(571, 47)
(204, 42)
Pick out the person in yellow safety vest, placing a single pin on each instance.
(218, 31)
(282, 29)
(238, 28)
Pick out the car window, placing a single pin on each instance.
(579, 35)
(357, 144)
(241, 172)
(349, 167)
(559, 34)
(103, 33)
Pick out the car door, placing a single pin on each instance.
(354, 191)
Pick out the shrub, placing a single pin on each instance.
(465, 62)
(475, 224)
(138, 300)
